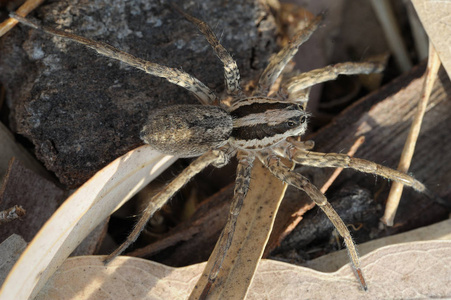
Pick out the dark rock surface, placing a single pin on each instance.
(81, 110)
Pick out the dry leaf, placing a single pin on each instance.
(335, 260)
(435, 17)
(407, 271)
(78, 216)
(252, 231)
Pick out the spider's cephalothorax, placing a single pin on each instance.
(250, 126)
(259, 123)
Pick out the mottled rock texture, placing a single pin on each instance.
(81, 110)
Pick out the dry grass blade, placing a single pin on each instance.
(23, 10)
(78, 216)
(409, 147)
(386, 17)
(251, 234)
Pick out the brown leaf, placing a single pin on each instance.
(78, 216)
(434, 15)
(335, 260)
(252, 231)
(406, 271)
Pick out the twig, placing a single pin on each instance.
(11, 214)
(409, 146)
(23, 11)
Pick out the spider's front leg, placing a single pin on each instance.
(310, 78)
(299, 155)
(231, 72)
(243, 178)
(212, 157)
(173, 75)
(280, 60)
(285, 174)
(295, 86)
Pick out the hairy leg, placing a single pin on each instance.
(280, 60)
(163, 196)
(337, 160)
(284, 173)
(231, 72)
(305, 80)
(175, 76)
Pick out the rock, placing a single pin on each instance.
(81, 110)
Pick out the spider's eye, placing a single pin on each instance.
(291, 123)
(303, 119)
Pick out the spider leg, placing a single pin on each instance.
(279, 61)
(243, 178)
(297, 84)
(337, 160)
(231, 72)
(175, 76)
(282, 172)
(163, 196)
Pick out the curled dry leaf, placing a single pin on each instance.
(335, 260)
(78, 216)
(405, 271)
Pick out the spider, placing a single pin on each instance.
(251, 125)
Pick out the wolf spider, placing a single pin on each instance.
(251, 126)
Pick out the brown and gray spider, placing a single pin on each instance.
(255, 126)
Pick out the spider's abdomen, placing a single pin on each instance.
(187, 130)
(259, 123)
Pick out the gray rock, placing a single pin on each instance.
(82, 110)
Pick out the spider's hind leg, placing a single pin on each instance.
(231, 72)
(285, 174)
